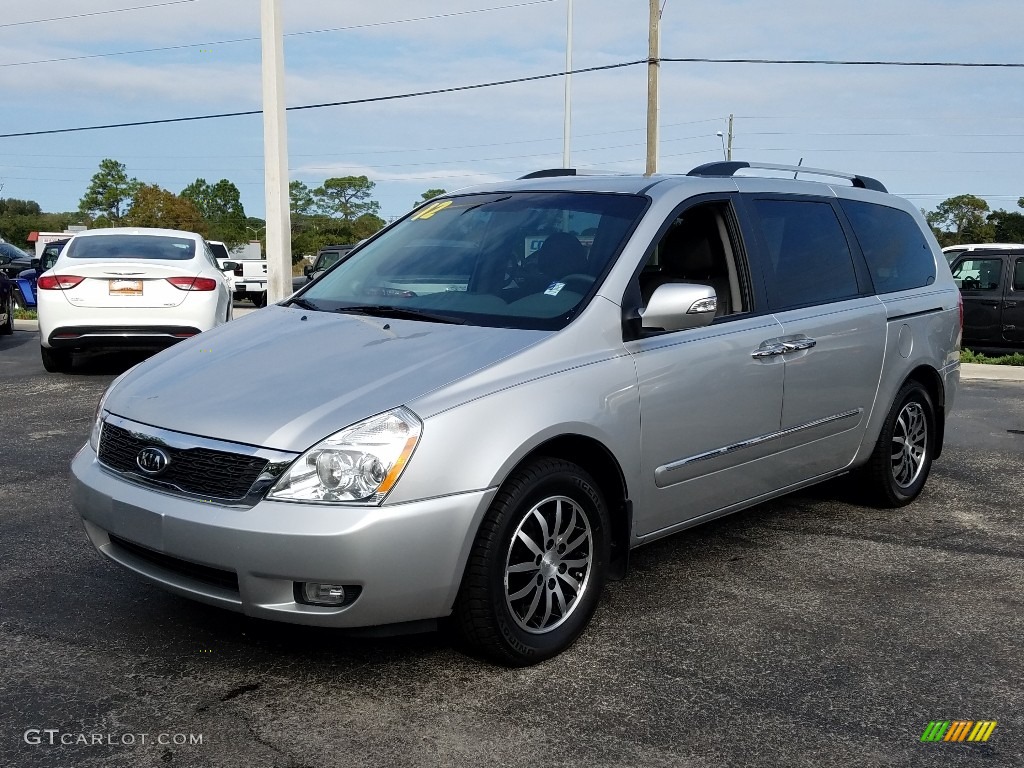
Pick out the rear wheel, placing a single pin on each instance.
(8, 327)
(538, 565)
(902, 458)
(56, 360)
(259, 299)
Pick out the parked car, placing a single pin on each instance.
(992, 284)
(13, 260)
(326, 258)
(128, 287)
(951, 252)
(478, 414)
(26, 280)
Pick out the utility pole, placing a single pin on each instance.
(275, 154)
(653, 65)
(567, 128)
(728, 152)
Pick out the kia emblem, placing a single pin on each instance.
(153, 461)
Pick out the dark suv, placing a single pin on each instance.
(326, 258)
(991, 282)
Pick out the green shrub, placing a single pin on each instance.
(968, 356)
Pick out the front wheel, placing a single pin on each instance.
(538, 565)
(902, 459)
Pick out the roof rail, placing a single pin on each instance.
(552, 172)
(729, 169)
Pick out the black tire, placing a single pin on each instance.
(259, 299)
(8, 327)
(902, 459)
(522, 600)
(56, 360)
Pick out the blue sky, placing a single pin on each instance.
(927, 133)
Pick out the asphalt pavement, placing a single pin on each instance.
(810, 631)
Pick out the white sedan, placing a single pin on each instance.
(128, 288)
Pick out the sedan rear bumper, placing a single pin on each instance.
(84, 336)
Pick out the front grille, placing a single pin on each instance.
(194, 571)
(200, 471)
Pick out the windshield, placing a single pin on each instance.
(513, 260)
(132, 247)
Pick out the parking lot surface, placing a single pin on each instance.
(810, 631)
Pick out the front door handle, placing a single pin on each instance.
(768, 350)
(796, 346)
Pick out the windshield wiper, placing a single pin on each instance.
(402, 313)
(304, 304)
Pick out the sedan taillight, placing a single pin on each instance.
(58, 282)
(193, 283)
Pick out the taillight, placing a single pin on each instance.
(193, 283)
(58, 282)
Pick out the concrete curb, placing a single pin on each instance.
(981, 371)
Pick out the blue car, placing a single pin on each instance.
(26, 278)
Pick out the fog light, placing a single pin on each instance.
(314, 593)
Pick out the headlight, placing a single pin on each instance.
(359, 463)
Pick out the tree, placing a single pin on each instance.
(430, 194)
(14, 207)
(1007, 226)
(154, 206)
(220, 205)
(110, 192)
(301, 199)
(346, 197)
(960, 219)
(19, 217)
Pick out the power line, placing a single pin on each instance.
(95, 13)
(348, 102)
(848, 63)
(287, 34)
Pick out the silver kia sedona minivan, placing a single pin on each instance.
(477, 415)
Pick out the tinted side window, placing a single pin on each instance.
(809, 260)
(978, 274)
(1018, 275)
(897, 254)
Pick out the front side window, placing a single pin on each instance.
(808, 258)
(1018, 275)
(978, 274)
(700, 246)
(894, 247)
(515, 260)
(158, 247)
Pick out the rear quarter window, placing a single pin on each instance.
(895, 249)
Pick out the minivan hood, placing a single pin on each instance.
(285, 378)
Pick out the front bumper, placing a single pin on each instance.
(408, 559)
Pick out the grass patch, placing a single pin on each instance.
(967, 356)
(25, 314)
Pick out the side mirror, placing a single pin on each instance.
(307, 270)
(229, 266)
(680, 306)
(34, 263)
